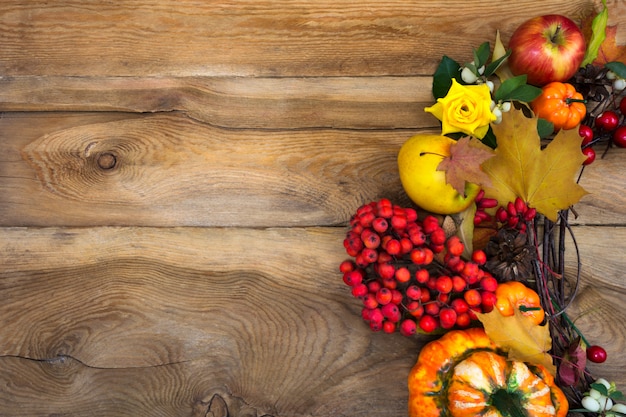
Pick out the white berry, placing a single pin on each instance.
(468, 75)
(590, 404)
(619, 408)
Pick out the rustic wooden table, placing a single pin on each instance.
(175, 182)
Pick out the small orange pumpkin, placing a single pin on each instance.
(463, 374)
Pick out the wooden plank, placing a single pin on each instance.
(134, 321)
(236, 102)
(157, 319)
(254, 38)
(172, 171)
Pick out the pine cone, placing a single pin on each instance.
(509, 256)
(591, 82)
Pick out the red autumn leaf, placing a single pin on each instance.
(573, 365)
(463, 164)
(610, 51)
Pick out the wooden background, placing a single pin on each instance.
(175, 183)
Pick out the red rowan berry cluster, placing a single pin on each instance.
(483, 203)
(408, 274)
(516, 215)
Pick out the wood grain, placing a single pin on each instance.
(252, 38)
(236, 102)
(172, 171)
(188, 313)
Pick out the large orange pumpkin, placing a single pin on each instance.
(463, 374)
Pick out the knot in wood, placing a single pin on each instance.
(107, 161)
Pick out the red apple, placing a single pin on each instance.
(547, 48)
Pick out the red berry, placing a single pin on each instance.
(472, 297)
(403, 274)
(393, 246)
(511, 209)
(487, 301)
(376, 315)
(428, 323)
(470, 270)
(369, 301)
(380, 224)
(366, 219)
(415, 308)
(447, 317)
(353, 278)
(530, 214)
(359, 290)
(590, 154)
(408, 327)
(431, 308)
(422, 256)
(414, 292)
(459, 305)
(463, 320)
(389, 326)
(459, 284)
(376, 326)
(385, 211)
(399, 222)
(396, 297)
(489, 283)
(488, 203)
(386, 271)
(607, 121)
(443, 284)
(346, 266)
(390, 283)
(586, 133)
(596, 354)
(391, 312)
(370, 255)
(455, 246)
(520, 205)
(383, 296)
(374, 286)
(384, 257)
(619, 136)
(411, 214)
(422, 276)
(405, 245)
(501, 215)
(430, 224)
(480, 257)
(438, 237)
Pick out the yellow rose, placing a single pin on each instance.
(466, 108)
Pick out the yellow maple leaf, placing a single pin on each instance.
(520, 337)
(544, 179)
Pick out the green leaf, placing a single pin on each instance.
(598, 34)
(481, 55)
(503, 92)
(544, 128)
(442, 79)
(525, 93)
(601, 388)
(490, 139)
(619, 68)
(494, 65)
(616, 395)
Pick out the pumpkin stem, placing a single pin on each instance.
(507, 404)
